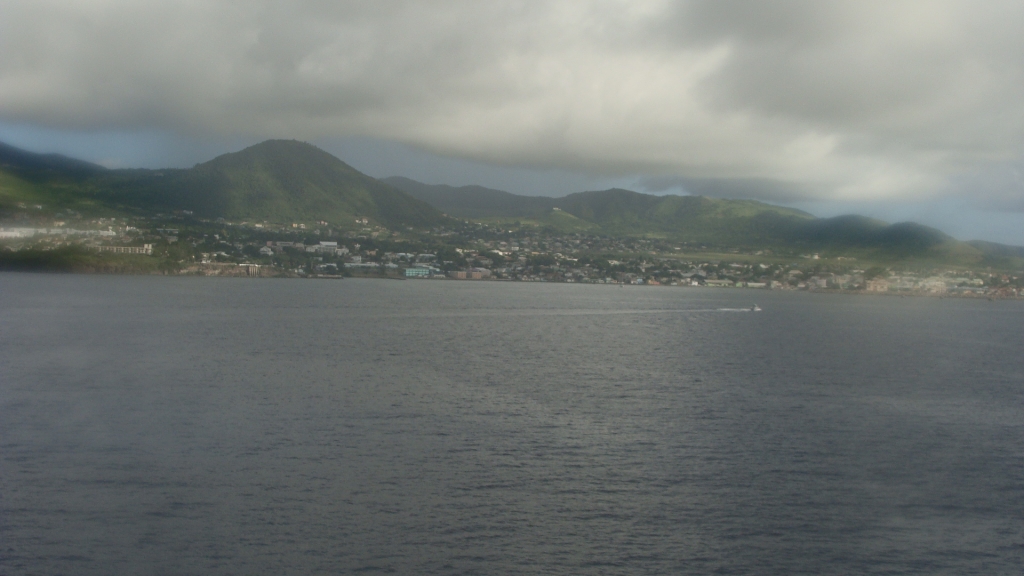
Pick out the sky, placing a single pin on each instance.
(901, 110)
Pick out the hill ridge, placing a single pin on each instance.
(34, 164)
(275, 180)
(698, 220)
(284, 181)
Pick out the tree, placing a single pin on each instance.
(874, 272)
(542, 260)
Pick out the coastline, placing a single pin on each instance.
(238, 271)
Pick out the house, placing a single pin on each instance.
(144, 249)
(933, 285)
(878, 285)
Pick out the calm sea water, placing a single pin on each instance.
(241, 426)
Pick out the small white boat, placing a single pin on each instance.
(755, 308)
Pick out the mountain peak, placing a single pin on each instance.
(281, 153)
(294, 180)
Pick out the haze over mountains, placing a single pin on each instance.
(697, 219)
(283, 181)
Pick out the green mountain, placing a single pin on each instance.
(686, 218)
(615, 211)
(277, 181)
(43, 166)
(47, 180)
(711, 222)
(282, 181)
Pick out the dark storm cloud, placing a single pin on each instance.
(775, 100)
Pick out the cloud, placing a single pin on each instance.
(783, 100)
(761, 188)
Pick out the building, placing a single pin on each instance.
(877, 285)
(471, 274)
(817, 282)
(253, 270)
(933, 285)
(144, 249)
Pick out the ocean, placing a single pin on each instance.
(172, 425)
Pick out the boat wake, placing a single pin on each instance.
(754, 308)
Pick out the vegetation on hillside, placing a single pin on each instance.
(281, 182)
(275, 181)
(711, 224)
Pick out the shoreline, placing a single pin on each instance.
(285, 276)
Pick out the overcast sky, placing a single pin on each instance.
(900, 110)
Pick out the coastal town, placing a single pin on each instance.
(476, 251)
